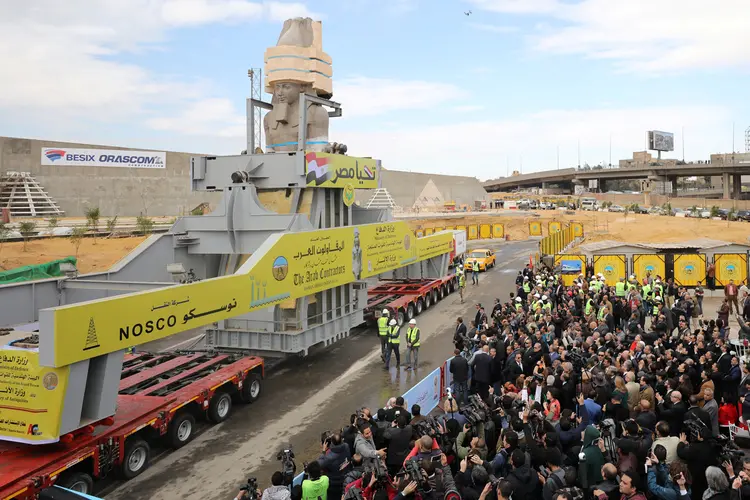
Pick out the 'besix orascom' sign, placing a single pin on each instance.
(69, 157)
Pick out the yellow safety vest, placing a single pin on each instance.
(383, 326)
(476, 267)
(656, 310)
(526, 287)
(589, 307)
(411, 336)
(518, 307)
(461, 281)
(620, 288)
(644, 291)
(393, 337)
(547, 306)
(661, 290)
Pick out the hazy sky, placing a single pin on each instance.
(424, 86)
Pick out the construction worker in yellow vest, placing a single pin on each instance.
(412, 345)
(589, 307)
(658, 286)
(546, 305)
(526, 286)
(393, 344)
(519, 304)
(475, 273)
(620, 287)
(645, 290)
(383, 332)
(461, 285)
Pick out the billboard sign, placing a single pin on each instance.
(76, 157)
(326, 170)
(659, 141)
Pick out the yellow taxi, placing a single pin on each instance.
(483, 256)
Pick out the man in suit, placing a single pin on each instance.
(672, 411)
(481, 364)
(514, 368)
(460, 335)
(459, 368)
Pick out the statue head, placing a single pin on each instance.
(287, 92)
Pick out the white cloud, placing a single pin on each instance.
(482, 148)
(58, 57)
(468, 108)
(216, 117)
(193, 12)
(650, 36)
(362, 96)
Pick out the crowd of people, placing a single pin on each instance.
(561, 393)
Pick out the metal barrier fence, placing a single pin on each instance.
(427, 393)
(557, 241)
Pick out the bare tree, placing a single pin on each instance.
(27, 229)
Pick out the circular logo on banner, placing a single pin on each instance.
(731, 270)
(50, 381)
(609, 270)
(280, 268)
(689, 269)
(650, 268)
(348, 195)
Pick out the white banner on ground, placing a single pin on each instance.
(70, 157)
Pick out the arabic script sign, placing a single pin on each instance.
(31, 397)
(287, 266)
(327, 170)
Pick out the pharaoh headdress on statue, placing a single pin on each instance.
(297, 64)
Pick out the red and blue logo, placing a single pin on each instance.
(54, 154)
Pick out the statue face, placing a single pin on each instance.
(287, 92)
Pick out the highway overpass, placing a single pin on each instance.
(665, 173)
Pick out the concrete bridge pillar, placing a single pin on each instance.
(736, 186)
(725, 186)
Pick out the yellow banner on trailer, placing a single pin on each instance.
(689, 269)
(648, 263)
(535, 228)
(326, 170)
(731, 266)
(613, 267)
(286, 266)
(31, 397)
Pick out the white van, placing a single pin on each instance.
(588, 204)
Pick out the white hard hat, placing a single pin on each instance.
(632, 276)
(657, 299)
(600, 275)
(526, 278)
(536, 295)
(413, 322)
(392, 323)
(544, 297)
(385, 312)
(518, 299)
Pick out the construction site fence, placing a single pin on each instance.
(558, 240)
(35, 272)
(427, 393)
(496, 230)
(686, 269)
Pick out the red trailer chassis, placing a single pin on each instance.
(405, 299)
(160, 397)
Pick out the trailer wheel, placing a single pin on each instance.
(79, 482)
(136, 457)
(428, 300)
(181, 430)
(400, 317)
(420, 306)
(250, 391)
(410, 312)
(220, 407)
(434, 294)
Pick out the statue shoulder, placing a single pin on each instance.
(316, 110)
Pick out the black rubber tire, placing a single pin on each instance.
(420, 306)
(176, 437)
(77, 481)
(217, 411)
(400, 318)
(434, 295)
(410, 312)
(441, 292)
(251, 388)
(428, 300)
(130, 470)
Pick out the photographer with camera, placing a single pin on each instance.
(667, 482)
(476, 444)
(334, 462)
(398, 437)
(699, 452)
(314, 484)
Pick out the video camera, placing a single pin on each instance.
(413, 469)
(251, 488)
(378, 470)
(288, 467)
(476, 412)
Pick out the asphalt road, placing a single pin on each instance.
(303, 397)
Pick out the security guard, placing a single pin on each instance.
(461, 285)
(475, 273)
(383, 332)
(412, 344)
(393, 344)
(620, 288)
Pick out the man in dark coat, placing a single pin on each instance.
(672, 411)
(481, 364)
(336, 453)
(459, 368)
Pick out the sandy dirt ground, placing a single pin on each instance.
(93, 255)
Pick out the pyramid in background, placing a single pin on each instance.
(23, 195)
(381, 199)
(430, 197)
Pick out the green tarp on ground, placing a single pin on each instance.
(36, 272)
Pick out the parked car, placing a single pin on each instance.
(616, 208)
(484, 257)
(743, 215)
(723, 214)
(678, 212)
